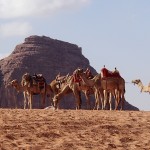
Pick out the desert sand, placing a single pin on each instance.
(42, 129)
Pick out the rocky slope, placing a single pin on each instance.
(40, 54)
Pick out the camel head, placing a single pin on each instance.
(26, 78)
(14, 83)
(67, 75)
(79, 71)
(137, 81)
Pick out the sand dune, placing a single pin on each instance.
(74, 130)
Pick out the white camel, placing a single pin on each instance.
(141, 86)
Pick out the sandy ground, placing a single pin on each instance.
(74, 130)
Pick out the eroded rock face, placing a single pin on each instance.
(39, 54)
(43, 55)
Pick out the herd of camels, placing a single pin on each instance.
(103, 89)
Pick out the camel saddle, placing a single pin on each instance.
(59, 80)
(109, 74)
(38, 79)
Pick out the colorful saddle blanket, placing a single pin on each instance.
(106, 73)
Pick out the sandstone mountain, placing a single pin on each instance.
(41, 54)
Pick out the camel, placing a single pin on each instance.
(35, 85)
(76, 88)
(29, 91)
(141, 86)
(114, 86)
(19, 88)
(58, 83)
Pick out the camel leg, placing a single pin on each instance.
(25, 100)
(118, 103)
(87, 100)
(102, 100)
(78, 101)
(112, 93)
(30, 100)
(50, 99)
(105, 98)
(55, 102)
(77, 98)
(99, 98)
(122, 101)
(110, 101)
(50, 94)
(117, 100)
(97, 104)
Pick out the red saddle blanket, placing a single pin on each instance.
(106, 73)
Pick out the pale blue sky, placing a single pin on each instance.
(111, 32)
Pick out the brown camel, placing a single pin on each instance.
(35, 85)
(27, 92)
(76, 88)
(58, 83)
(52, 89)
(114, 86)
(19, 88)
(141, 86)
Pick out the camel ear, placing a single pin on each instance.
(9, 83)
(67, 75)
(58, 75)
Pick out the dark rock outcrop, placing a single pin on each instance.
(40, 54)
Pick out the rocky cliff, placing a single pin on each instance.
(40, 54)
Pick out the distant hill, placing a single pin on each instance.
(41, 54)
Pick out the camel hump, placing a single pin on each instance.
(38, 79)
(104, 72)
(116, 74)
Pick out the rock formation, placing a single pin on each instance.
(40, 54)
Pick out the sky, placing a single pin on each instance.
(114, 33)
